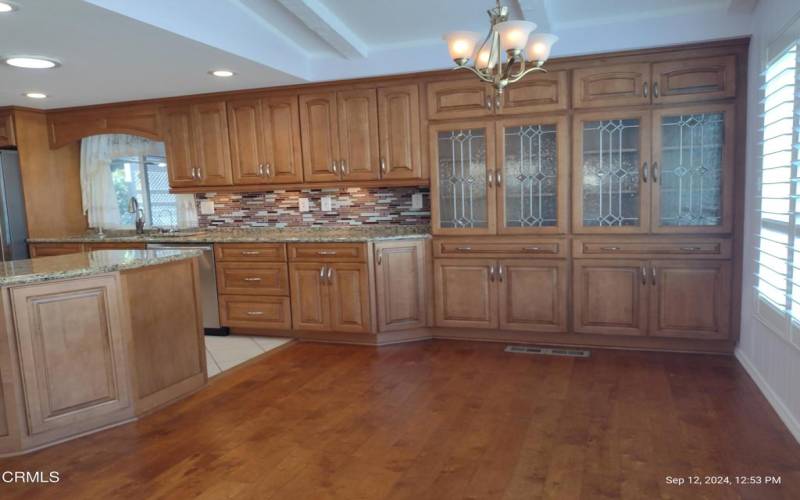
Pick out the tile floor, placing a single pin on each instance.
(223, 353)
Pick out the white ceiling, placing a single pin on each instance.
(116, 50)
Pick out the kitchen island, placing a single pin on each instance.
(91, 340)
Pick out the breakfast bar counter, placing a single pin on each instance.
(92, 340)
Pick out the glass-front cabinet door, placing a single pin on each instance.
(533, 175)
(692, 171)
(610, 177)
(462, 192)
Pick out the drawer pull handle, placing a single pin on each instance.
(250, 252)
(644, 275)
(690, 249)
(252, 279)
(532, 249)
(326, 252)
(255, 313)
(463, 249)
(609, 249)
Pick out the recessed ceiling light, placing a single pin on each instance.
(7, 7)
(222, 73)
(35, 95)
(29, 62)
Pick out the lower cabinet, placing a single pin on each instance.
(400, 284)
(330, 296)
(661, 298)
(51, 249)
(510, 294)
(71, 352)
(247, 311)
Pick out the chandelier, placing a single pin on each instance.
(525, 51)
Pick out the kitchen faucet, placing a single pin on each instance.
(133, 208)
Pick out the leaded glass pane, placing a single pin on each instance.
(611, 173)
(531, 176)
(691, 169)
(462, 178)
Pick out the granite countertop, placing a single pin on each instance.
(256, 235)
(27, 271)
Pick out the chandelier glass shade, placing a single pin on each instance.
(510, 51)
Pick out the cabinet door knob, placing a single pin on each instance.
(644, 172)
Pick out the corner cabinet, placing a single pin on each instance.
(525, 192)
(197, 144)
(665, 171)
(7, 134)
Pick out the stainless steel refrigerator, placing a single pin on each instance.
(13, 225)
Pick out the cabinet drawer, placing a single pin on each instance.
(51, 249)
(328, 252)
(498, 248)
(255, 312)
(251, 252)
(247, 278)
(719, 249)
(91, 247)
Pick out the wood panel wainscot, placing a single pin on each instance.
(81, 354)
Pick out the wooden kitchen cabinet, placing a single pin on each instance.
(532, 295)
(7, 133)
(77, 327)
(536, 93)
(197, 144)
(108, 245)
(265, 140)
(610, 296)
(253, 278)
(611, 85)
(320, 137)
(349, 295)
(359, 155)
(690, 298)
(465, 295)
(400, 283)
(695, 79)
(309, 292)
(458, 99)
(255, 311)
(399, 129)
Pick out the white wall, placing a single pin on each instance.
(771, 361)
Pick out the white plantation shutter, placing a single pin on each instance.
(778, 244)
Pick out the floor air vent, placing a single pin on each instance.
(548, 351)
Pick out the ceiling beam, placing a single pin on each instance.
(328, 27)
(535, 11)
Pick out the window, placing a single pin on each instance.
(778, 244)
(145, 178)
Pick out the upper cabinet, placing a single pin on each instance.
(198, 149)
(361, 134)
(536, 93)
(666, 82)
(665, 171)
(7, 136)
(399, 130)
(525, 192)
(265, 140)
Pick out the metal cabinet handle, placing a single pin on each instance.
(644, 275)
(252, 279)
(345, 170)
(329, 275)
(199, 173)
(655, 171)
(609, 249)
(194, 173)
(464, 249)
(326, 252)
(531, 249)
(491, 272)
(645, 89)
(261, 170)
(255, 313)
(655, 90)
(500, 273)
(653, 274)
(380, 257)
(690, 249)
(644, 172)
(383, 165)
(490, 178)
(269, 170)
(489, 102)
(251, 252)
(334, 167)
(498, 179)
(322, 275)
(497, 102)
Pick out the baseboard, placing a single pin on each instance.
(777, 403)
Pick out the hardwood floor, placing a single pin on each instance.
(439, 420)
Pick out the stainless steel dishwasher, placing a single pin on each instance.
(208, 284)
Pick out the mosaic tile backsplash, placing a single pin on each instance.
(349, 206)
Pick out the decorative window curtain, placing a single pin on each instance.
(98, 195)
